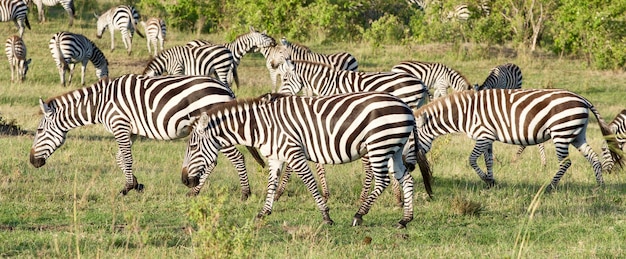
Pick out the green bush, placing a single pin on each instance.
(386, 30)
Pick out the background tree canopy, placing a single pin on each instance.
(591, 29)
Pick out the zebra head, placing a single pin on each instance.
(424, 138)
(202, 148)
(24, 69)
(260, 40)
(168, 61)
(290, 81)
(101, 25)
(49, 136)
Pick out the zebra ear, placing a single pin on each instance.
(252, 29)
(284, 41)
(420, 120)
(96, 15)
(203, 120)
(44, 107)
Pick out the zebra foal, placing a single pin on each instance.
(16, 11)
(155, 30)
(68, 5)
(15, 50)
(158, 108)
(293, 130)
(618, 127)
(68, 49)
(123, 18)
(519, 117)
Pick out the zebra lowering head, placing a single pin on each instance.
(370, 125)
(49, 136)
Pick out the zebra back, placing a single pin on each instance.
(507, 76)
(324, 80)
(341, 60)
(249, 42)
(435, 75)
(15, 10)
(67, 47)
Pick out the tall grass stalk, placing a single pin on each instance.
(75, 215)
(523, 236)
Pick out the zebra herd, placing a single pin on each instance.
(387, 119)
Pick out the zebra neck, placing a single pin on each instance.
(238, 48)
(80, 107)
(238, 127)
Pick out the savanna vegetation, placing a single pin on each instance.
(71, 207)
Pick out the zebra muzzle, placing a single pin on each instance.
(37, 161)
(189, 181)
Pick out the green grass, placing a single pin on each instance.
(71, 206)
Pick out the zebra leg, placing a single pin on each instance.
(321, 173)
(367, 181)
(542, 154)
(564, 163)
(70, 13)
(299, 165)
(488, 156)
(82, 73)
(607, 163)
(125, 160)
(519, 152)
(148, 40)
(479, 149)
(406, 180)
(196, 190)
(275, 168)
(238, 161)
(71, 67)
(284, 178)
(12, 69)
(381, 181)
(111, 31)
(593, 159)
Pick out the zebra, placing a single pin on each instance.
(322, 79)
(292, 129)
(277, 55)
(435, 76)
(464, 12)
(618, 128)
(16, 11)
(252, 41)
(123, 18)
(155, 107)
(68, 5)
(16, 54)
(68, 48)
(202, 60)
(155, 33)
(508, 76)
(514, 116)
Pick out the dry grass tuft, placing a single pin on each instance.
(462, 206)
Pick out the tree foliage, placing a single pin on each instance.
(593, 29)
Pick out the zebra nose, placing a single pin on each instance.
(189, 181)
(36, 161)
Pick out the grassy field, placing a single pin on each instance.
(71, 206)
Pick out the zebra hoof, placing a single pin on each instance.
(357, 220)
(139, 187)
(329, 222)
(192, 193)
(401, 225)
(490, 183)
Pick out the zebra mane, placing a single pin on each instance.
(313, 63)
(81, 93)
(438, 101)
(219, 109)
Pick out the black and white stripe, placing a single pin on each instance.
(519, 117)
(461, 13)
(435, 76)
(155, 33)
(202, 60)
(506, 76)
(291, 129)
(155, 107)
(15, 50)
(68, 5)
(122, 18)
(618, 128)
(16, 11)
(68, 49)
(277, 55)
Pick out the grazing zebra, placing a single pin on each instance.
(618, 128)
(155, 33)
(68, 5)
(195, 61)
(16, 11)
(277, 55)
(520, 117)
(508, 76)
(123, 18)
(157, 108)
(16, 53)
(324, 80)
(292, 129)
(435, 76)
(252, 41)
(68, 48)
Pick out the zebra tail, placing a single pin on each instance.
(59, 52)
(256, 156)
(234, 75)
(132, 21)
(610, 138)
(26, 22)
(423, 164)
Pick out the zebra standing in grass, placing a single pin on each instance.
(68, 5)
(324, 80)
(508, 76)
(16, 54)
(519, 117)
(16, 11)
(202, 60)
(68, 48)
(292, 129)
(252, 41)
(123, 18)
(618, 127)
(435, 76)
(277, 55)
(155, 33)
(157, 108)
